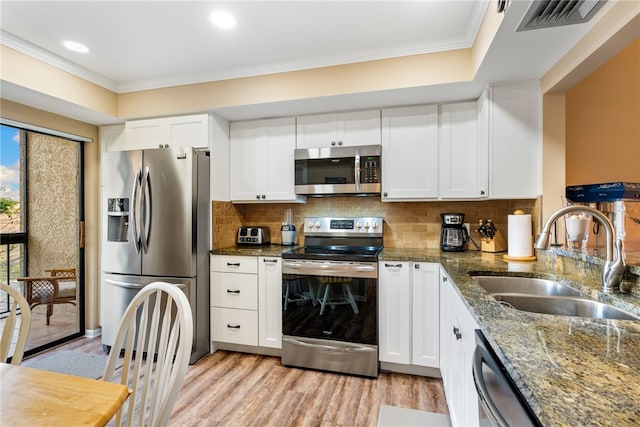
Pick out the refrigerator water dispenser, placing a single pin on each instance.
(117, 219)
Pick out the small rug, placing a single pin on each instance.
(73, 363)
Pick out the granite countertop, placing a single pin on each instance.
(573, 371)
(251, 250)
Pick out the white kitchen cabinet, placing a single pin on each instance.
(270, 302)
(261, 161)
(457, 344)
(409, 314)
(410, 153)
(425, 288)
(234, 299)
(338, 129)
(514, 125)
(179, 131)
(394, 324)
(463, 163)
(112, 138)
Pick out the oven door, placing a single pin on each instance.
(329, 316)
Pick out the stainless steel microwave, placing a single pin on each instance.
(338, 170)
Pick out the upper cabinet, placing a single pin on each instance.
(262, 166)
(433, 152)
(512, 117)
(339, 129)
(410, 153)
(180, 131)
(462, 154)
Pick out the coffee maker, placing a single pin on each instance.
(454, 235)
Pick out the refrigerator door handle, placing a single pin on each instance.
(134, 209)
(130, 285)
(146, 201)
(125, 284)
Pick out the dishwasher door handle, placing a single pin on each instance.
(479, 357)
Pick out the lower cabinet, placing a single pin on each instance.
(409, 313)
(457, 344)
(246, 300)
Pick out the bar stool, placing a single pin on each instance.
(292, 291)
(326, 282)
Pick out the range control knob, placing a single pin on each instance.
(310, 224)
(366, 225)
(374, 225)
(358, 225)
(317, 224)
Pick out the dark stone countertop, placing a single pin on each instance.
(573, 371)
(250, 250)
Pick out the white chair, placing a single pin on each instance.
(10, 326)
(156, 333)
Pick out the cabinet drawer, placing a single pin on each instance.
(234, 264)
(231, 290)
(234, 326)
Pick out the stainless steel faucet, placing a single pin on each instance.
(614, 264)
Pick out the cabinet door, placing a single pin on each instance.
(143, 134)
(462, 159)
(425, 285)
(245, 164)
(338, 129)
(280, 140)
(359, 128)
(515, 141)
(410, 153)
(188, 131)
(316, 131)
(395, 312)
(270, 302)
(112, 138)
(457, 338)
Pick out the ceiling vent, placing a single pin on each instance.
(556, 13)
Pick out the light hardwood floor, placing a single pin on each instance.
(237, 389)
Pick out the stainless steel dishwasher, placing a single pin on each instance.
(499, 401)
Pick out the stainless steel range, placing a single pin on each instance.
(330, 296)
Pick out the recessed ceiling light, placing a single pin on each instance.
(223, 19)
(76, 47)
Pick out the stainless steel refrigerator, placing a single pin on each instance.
(156, 219)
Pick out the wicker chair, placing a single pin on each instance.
(60, 288)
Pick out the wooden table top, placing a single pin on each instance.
(36, 397)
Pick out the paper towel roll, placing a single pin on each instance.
(520, 236)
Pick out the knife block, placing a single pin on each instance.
(497, 244)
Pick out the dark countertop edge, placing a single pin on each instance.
(273, 250)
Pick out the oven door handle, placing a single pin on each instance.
(326, 268)
(330, 347)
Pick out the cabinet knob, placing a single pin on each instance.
(339, 142)
(416, 266)
(264, 197)
(444, 278)
(457, 333)
(384, 194)
(333, 143)
(258, 196)
(482, 192)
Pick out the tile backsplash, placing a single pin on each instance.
(406, 224)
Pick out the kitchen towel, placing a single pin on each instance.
(520, 240)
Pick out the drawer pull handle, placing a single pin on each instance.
(237, 291)
(233, 326)
(233, 264)
(270, 260)
(393, 265)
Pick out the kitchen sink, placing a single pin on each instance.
(562, 306)
(524, 285)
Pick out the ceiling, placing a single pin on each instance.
(136, 45)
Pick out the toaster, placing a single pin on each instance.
(254, 235)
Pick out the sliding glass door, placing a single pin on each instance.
(42, 231)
